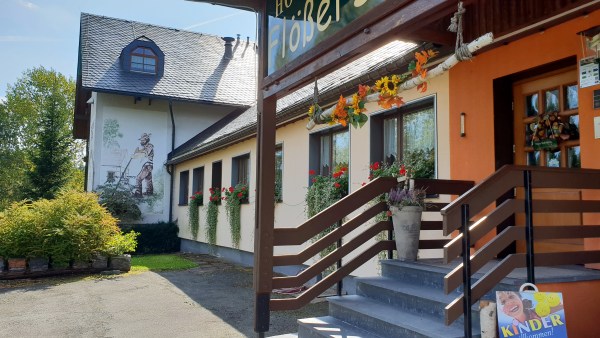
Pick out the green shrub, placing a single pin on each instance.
(20, 233)
(155, 238)
(73, 226)
(121, 243)
(119, 202)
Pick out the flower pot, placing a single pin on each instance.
(17, 264)
(407, 228)
(37, 264)
(122, 263)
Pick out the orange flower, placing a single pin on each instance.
(363, 91)
(339, 113)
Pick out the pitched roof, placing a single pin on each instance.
(381, 61)
(195, 68)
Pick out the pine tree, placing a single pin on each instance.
(51, 157)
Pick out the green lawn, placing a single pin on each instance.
(160, 263)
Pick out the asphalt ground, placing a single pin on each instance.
(213, 300)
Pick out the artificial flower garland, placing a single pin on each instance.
(387, 87)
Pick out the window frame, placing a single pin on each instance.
(279, 172)
(144, 57)
(237, 167)
(184, 192)
(142, 42)
(198, 182)
(315, 148)
(377, 131)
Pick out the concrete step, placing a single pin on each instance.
(388, 321)
(429, 274)
(415, 273)
(330, 327)
(410, 297)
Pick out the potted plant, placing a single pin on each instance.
(406, 208)
(194, 205)
(234, 198)
(116, 248)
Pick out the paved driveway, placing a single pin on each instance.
(213, 300)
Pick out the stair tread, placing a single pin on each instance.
(373, 309)
(412, 289)
(332, 327)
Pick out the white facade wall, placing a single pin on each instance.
(295, 140)
(117, 124)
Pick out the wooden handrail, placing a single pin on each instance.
(334, 213)
(488, 192)
(480, 196)
(327, 282)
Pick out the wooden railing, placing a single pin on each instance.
(334, 214)
(459, 216)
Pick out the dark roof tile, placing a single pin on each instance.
(195, 69)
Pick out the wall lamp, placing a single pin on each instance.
(462, 124)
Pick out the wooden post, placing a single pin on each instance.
(265, 191)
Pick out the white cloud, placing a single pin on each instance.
(28, 5)
(2, 99)
(211, 21)
(22, 38)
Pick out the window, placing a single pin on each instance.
(144, 60)
(328, 150)
(407, 135)
(216, 175)
(143, 56)
(278, 173)
(198, 181)
(184, 180)
(240, 170)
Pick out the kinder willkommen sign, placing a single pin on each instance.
(296, 26)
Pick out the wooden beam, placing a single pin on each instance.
(407, 19)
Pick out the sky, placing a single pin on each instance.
(46, 32)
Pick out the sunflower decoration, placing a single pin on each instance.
(387, 86)
(356, 117)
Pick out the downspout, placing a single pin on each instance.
(170, 168)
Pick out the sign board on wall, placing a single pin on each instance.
(296, 26)
(589, 72)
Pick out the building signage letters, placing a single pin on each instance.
(296, 26)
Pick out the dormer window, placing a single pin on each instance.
(142, 55)
(143, 60)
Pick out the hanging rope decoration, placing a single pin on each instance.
(461, 50)
(351, 110)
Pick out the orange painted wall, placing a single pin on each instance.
(471, 92)
(582, 306)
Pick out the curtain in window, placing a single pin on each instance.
(390, 140)
(341, 149)
(419, 131)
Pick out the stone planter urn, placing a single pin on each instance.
(38, 264)
(407, 228)
(121, 263)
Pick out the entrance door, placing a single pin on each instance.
(546, 132)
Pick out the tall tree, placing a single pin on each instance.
(39, 112)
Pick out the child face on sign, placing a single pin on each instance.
(511, 303)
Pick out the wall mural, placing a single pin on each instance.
(128, 163)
